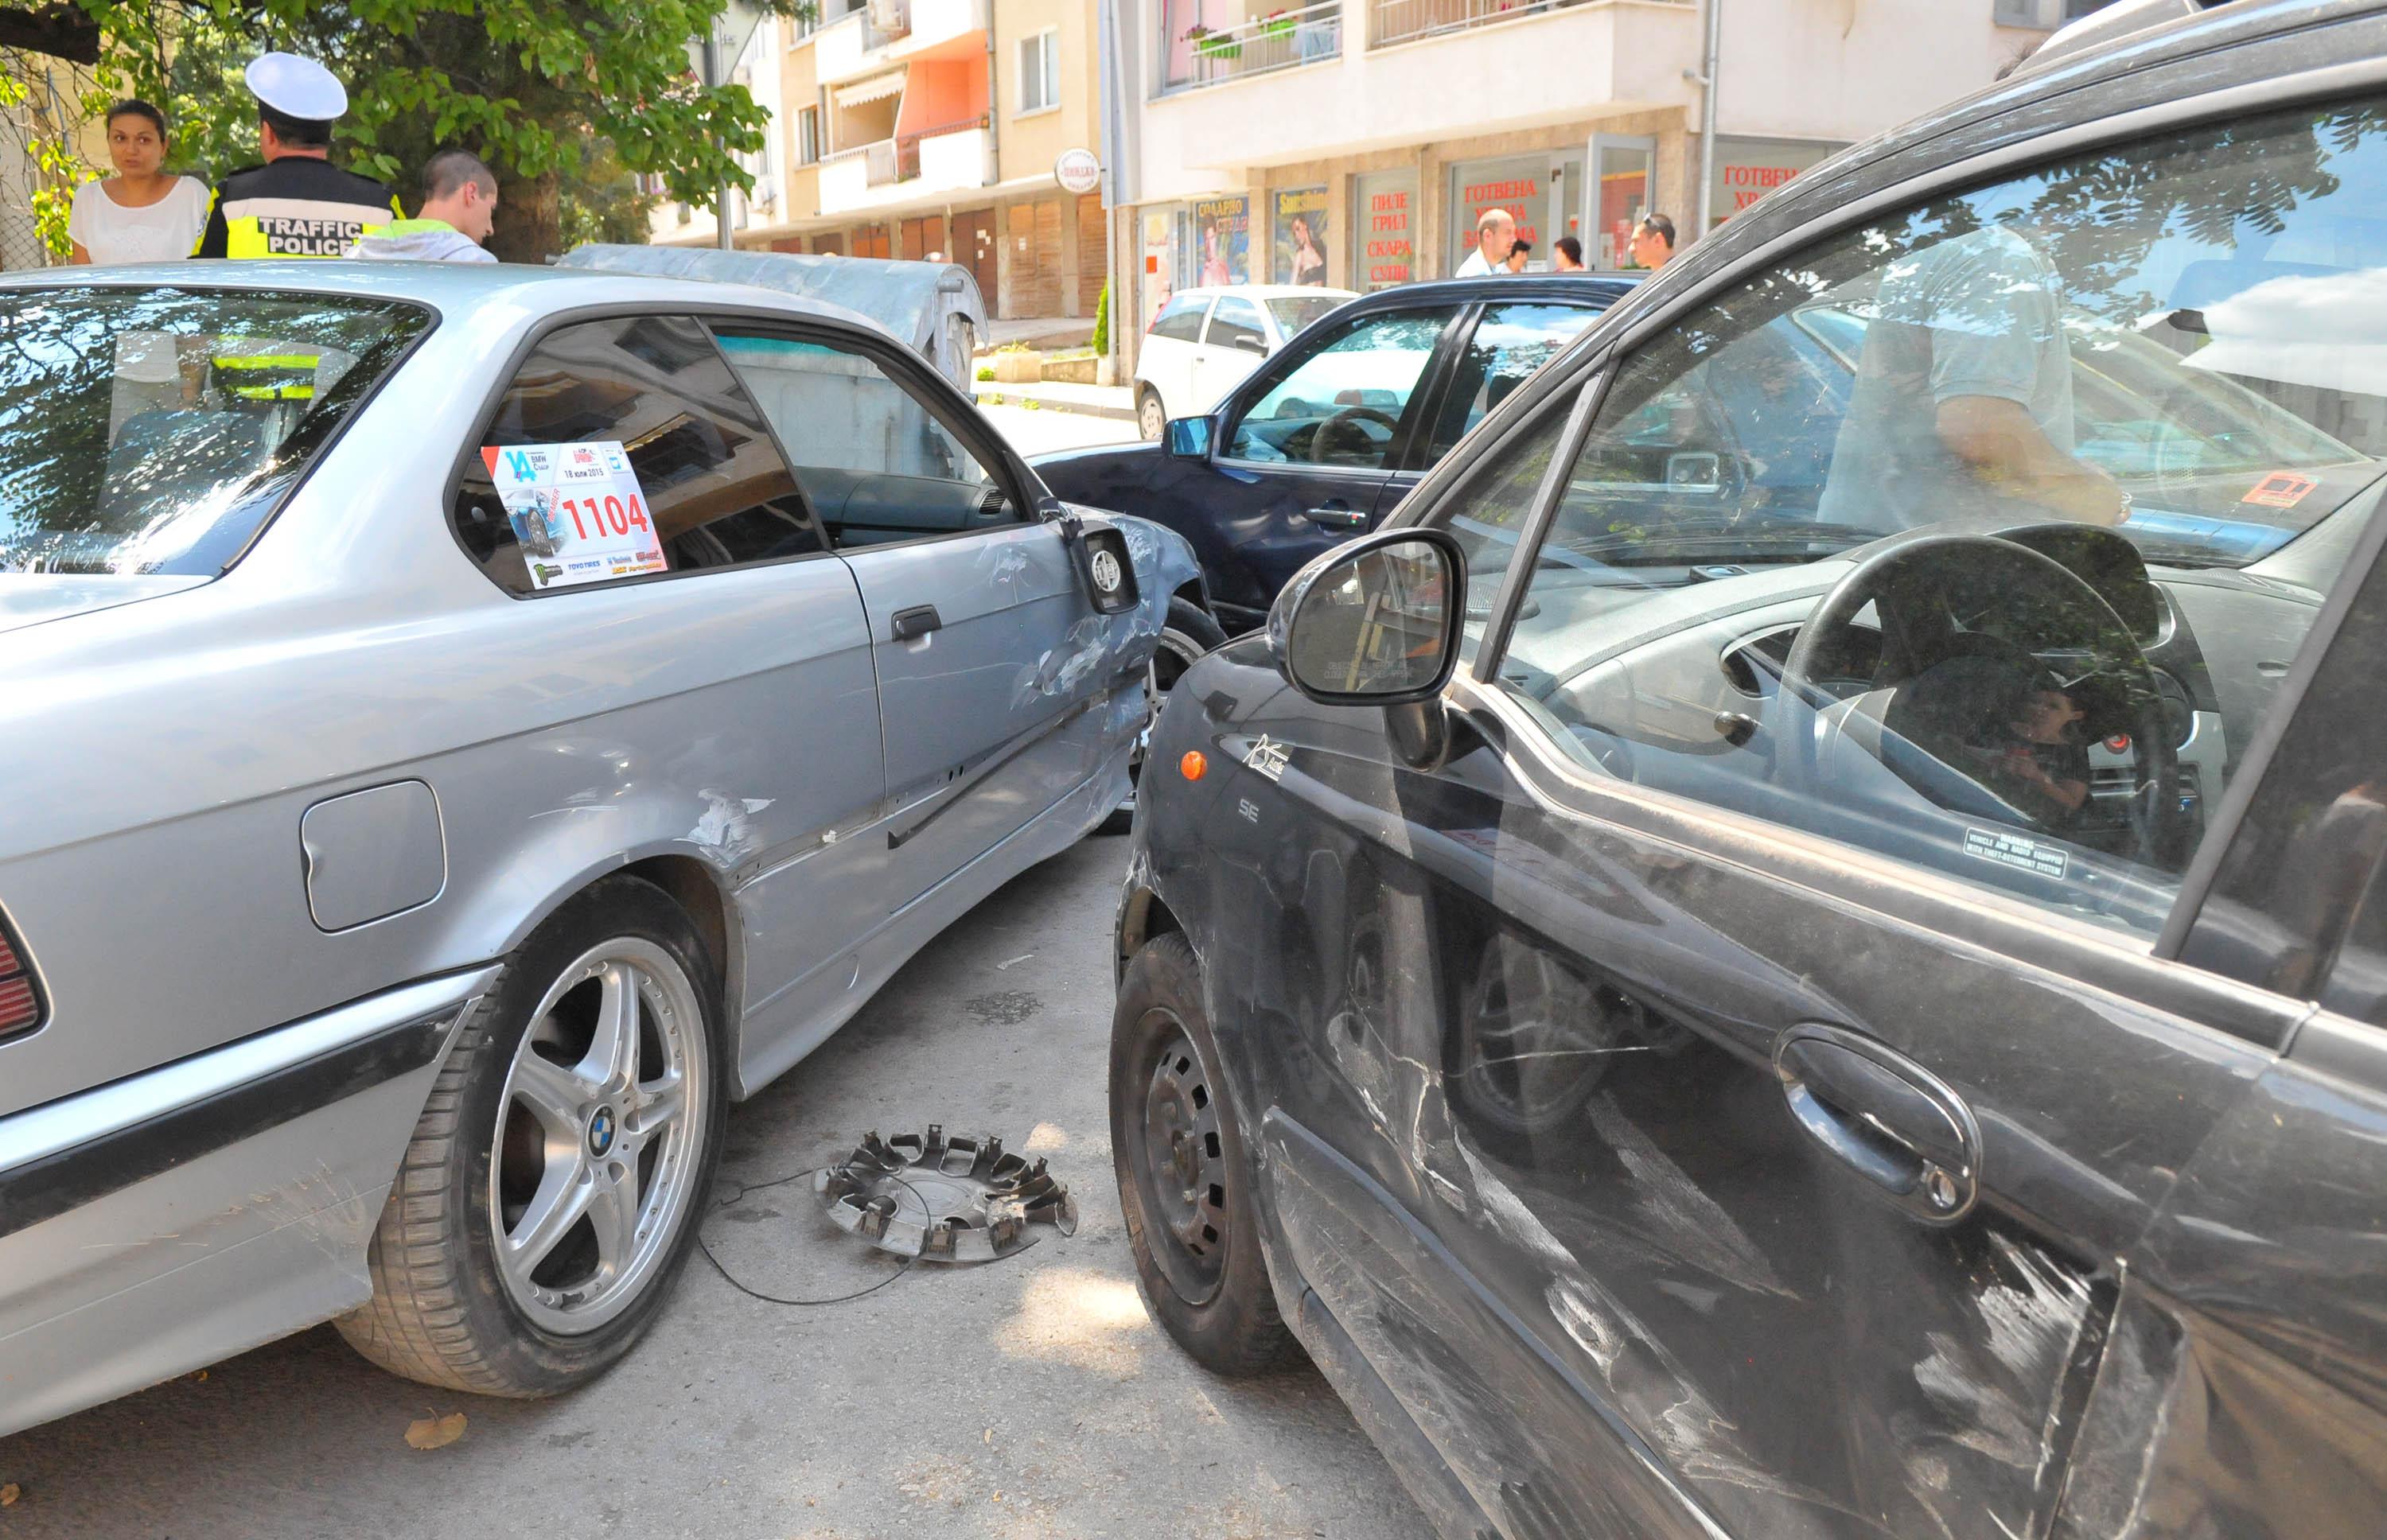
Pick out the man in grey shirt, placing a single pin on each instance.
(460, 208)
(1962, 403)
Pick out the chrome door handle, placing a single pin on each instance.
(1888, 1119)
(1336, 516)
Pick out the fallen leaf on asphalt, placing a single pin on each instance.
(10, 1494)
(435, 1433)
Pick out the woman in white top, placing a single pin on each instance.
(141, 214)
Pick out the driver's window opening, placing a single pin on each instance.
(1979, 537)
(1341, 404)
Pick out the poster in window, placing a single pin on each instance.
(1301, 229)
(577, 512)
(1222, 236)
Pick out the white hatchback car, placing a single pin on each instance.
(1205, 342)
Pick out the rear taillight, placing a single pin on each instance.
(21, 1003)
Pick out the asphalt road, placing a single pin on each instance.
(1027, 1399)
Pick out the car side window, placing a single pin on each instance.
(1180, 319)
(698, 482)
(1237, 323)
(1977, 537)
(876, 461)
(1341, 402)
(1509, 344)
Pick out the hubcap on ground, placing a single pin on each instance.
(593, 1166)
(1182, 1169)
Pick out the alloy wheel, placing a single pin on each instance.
(598, 1139)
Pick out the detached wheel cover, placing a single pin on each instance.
(596, 1155)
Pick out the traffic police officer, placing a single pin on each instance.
(298, 204)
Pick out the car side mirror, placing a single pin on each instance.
(1253, 344)
(1191, 437)
(1374, 622)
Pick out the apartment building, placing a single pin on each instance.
(927, 129)
(1377, 131)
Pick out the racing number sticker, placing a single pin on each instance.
(577, 510)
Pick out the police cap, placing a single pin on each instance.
(297, 87)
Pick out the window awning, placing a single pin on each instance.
(876, 89)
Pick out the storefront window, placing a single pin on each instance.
(1215, 242)
(1533, 189)
(1746, 170)
(1298, 254)
(1383, 225)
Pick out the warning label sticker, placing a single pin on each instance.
(2280, 489)
(2018, 851)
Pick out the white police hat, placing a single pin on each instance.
(296, 87)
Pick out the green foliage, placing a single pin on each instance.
(1103, 321)
(568, 100)
(986, 371)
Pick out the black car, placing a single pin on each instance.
(1330, 432)
(1799, 946)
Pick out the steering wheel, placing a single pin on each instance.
(1326, 430)
(1918, 585)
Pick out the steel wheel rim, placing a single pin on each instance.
(1180, 1166)
(593, 1162)
(1155, 422)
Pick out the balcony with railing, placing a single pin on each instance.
(877, 32)
(943, 159)
(1203, 55)
(1391, 21)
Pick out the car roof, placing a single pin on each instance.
(1257, 291)
(1579, 287)
(458, 286)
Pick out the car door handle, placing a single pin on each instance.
(1335, 516)
(919, 620)
(1888, 1119)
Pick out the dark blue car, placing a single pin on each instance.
(1325, 439)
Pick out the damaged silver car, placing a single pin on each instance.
(465, 729)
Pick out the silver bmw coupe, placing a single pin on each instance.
(459, 729)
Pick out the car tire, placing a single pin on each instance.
(1151, 416)
(454, 1303)
(1192, 1224)
(1188, 633)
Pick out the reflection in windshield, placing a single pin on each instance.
(152, 430)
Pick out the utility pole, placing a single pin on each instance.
(722, 235)
(1714, 38)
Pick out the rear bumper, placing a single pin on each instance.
(169, 1219)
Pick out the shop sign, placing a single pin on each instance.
(1078, 172)
(1301, 229)
(1383, 222)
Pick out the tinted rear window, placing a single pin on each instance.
(155, 430)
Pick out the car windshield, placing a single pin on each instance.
(154, 430)
(1295, 312)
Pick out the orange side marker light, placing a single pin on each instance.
(1193, 766)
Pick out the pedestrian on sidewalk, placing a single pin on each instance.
(1567, 254)
(1518, 255)
(1495, 233)
(459, 208)
(144, 213)
(298, 203)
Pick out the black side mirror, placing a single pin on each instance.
(1374, 622)
(1189, 438)
(1098, 550)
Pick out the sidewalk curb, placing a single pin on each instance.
(1047, 403)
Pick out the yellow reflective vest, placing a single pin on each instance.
(294, 206)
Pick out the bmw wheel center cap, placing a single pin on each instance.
(602, 1129)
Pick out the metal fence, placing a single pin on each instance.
(1279, 40)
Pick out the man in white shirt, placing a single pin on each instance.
(1496, 233)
